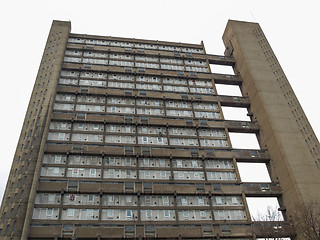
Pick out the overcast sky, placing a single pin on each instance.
(292, 28)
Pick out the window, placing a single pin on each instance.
(70, 213)
(144, 129)
(194, 164)
(128, 161)
(165, 200)
(57, 159)
(160, 141)
(186, 214)
(89, 214)
(128, 129)
(163, 174)
(181, 175)
(51, 198)
(144, 140)
(75, 172)
(148, 214)
(110, 213)
(162, 162)
(90, 198)
(61, 136)
(56, 171)
(146, 161)
(218, 200)
(110, 199)
(179, 163)
(200, 201)
(213, 175)
(128, 214)
(234, 200)
(202, 214)
(49, 213)
(184, 201)
(111, 173)
(166, 214)
(148, 200)
(128, 199)
(93, 172)
(112, 161)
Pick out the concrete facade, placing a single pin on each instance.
(284, 128)
(126, 138)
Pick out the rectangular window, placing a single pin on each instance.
(89, 214)
(148, 200)
(49, 213)
(165, 200)
(146, 161)
(145, 140)
(181, 175)
(166, 214)
(128, 214)
(186, 214)
(128, 129)
(93, 172)
(148, 214)
(90, 198)
(202, 214)
(57, 159)
(218, 200)
(128, 161)
(111, 173)
(70, 213)
(110, 213)
(200, 201)
(128, 199)
(56, 171)
(51, 198)
(234, 200)
(184, 201)
(162, 162)
(61, 136)
(179, 163)
(194, 164)
(110, 199)
(111, 160)
(213, 175)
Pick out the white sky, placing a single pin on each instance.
(292, 28)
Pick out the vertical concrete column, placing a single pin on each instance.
(284, 126)
(49, 71)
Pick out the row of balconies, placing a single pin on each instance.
(205, 231)
(233, 126)
(154, 187)
(138, 151)
(160, 96)
(119, 215)
(129, 78)
(222, 78)
(132, 162)
(154, 201)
